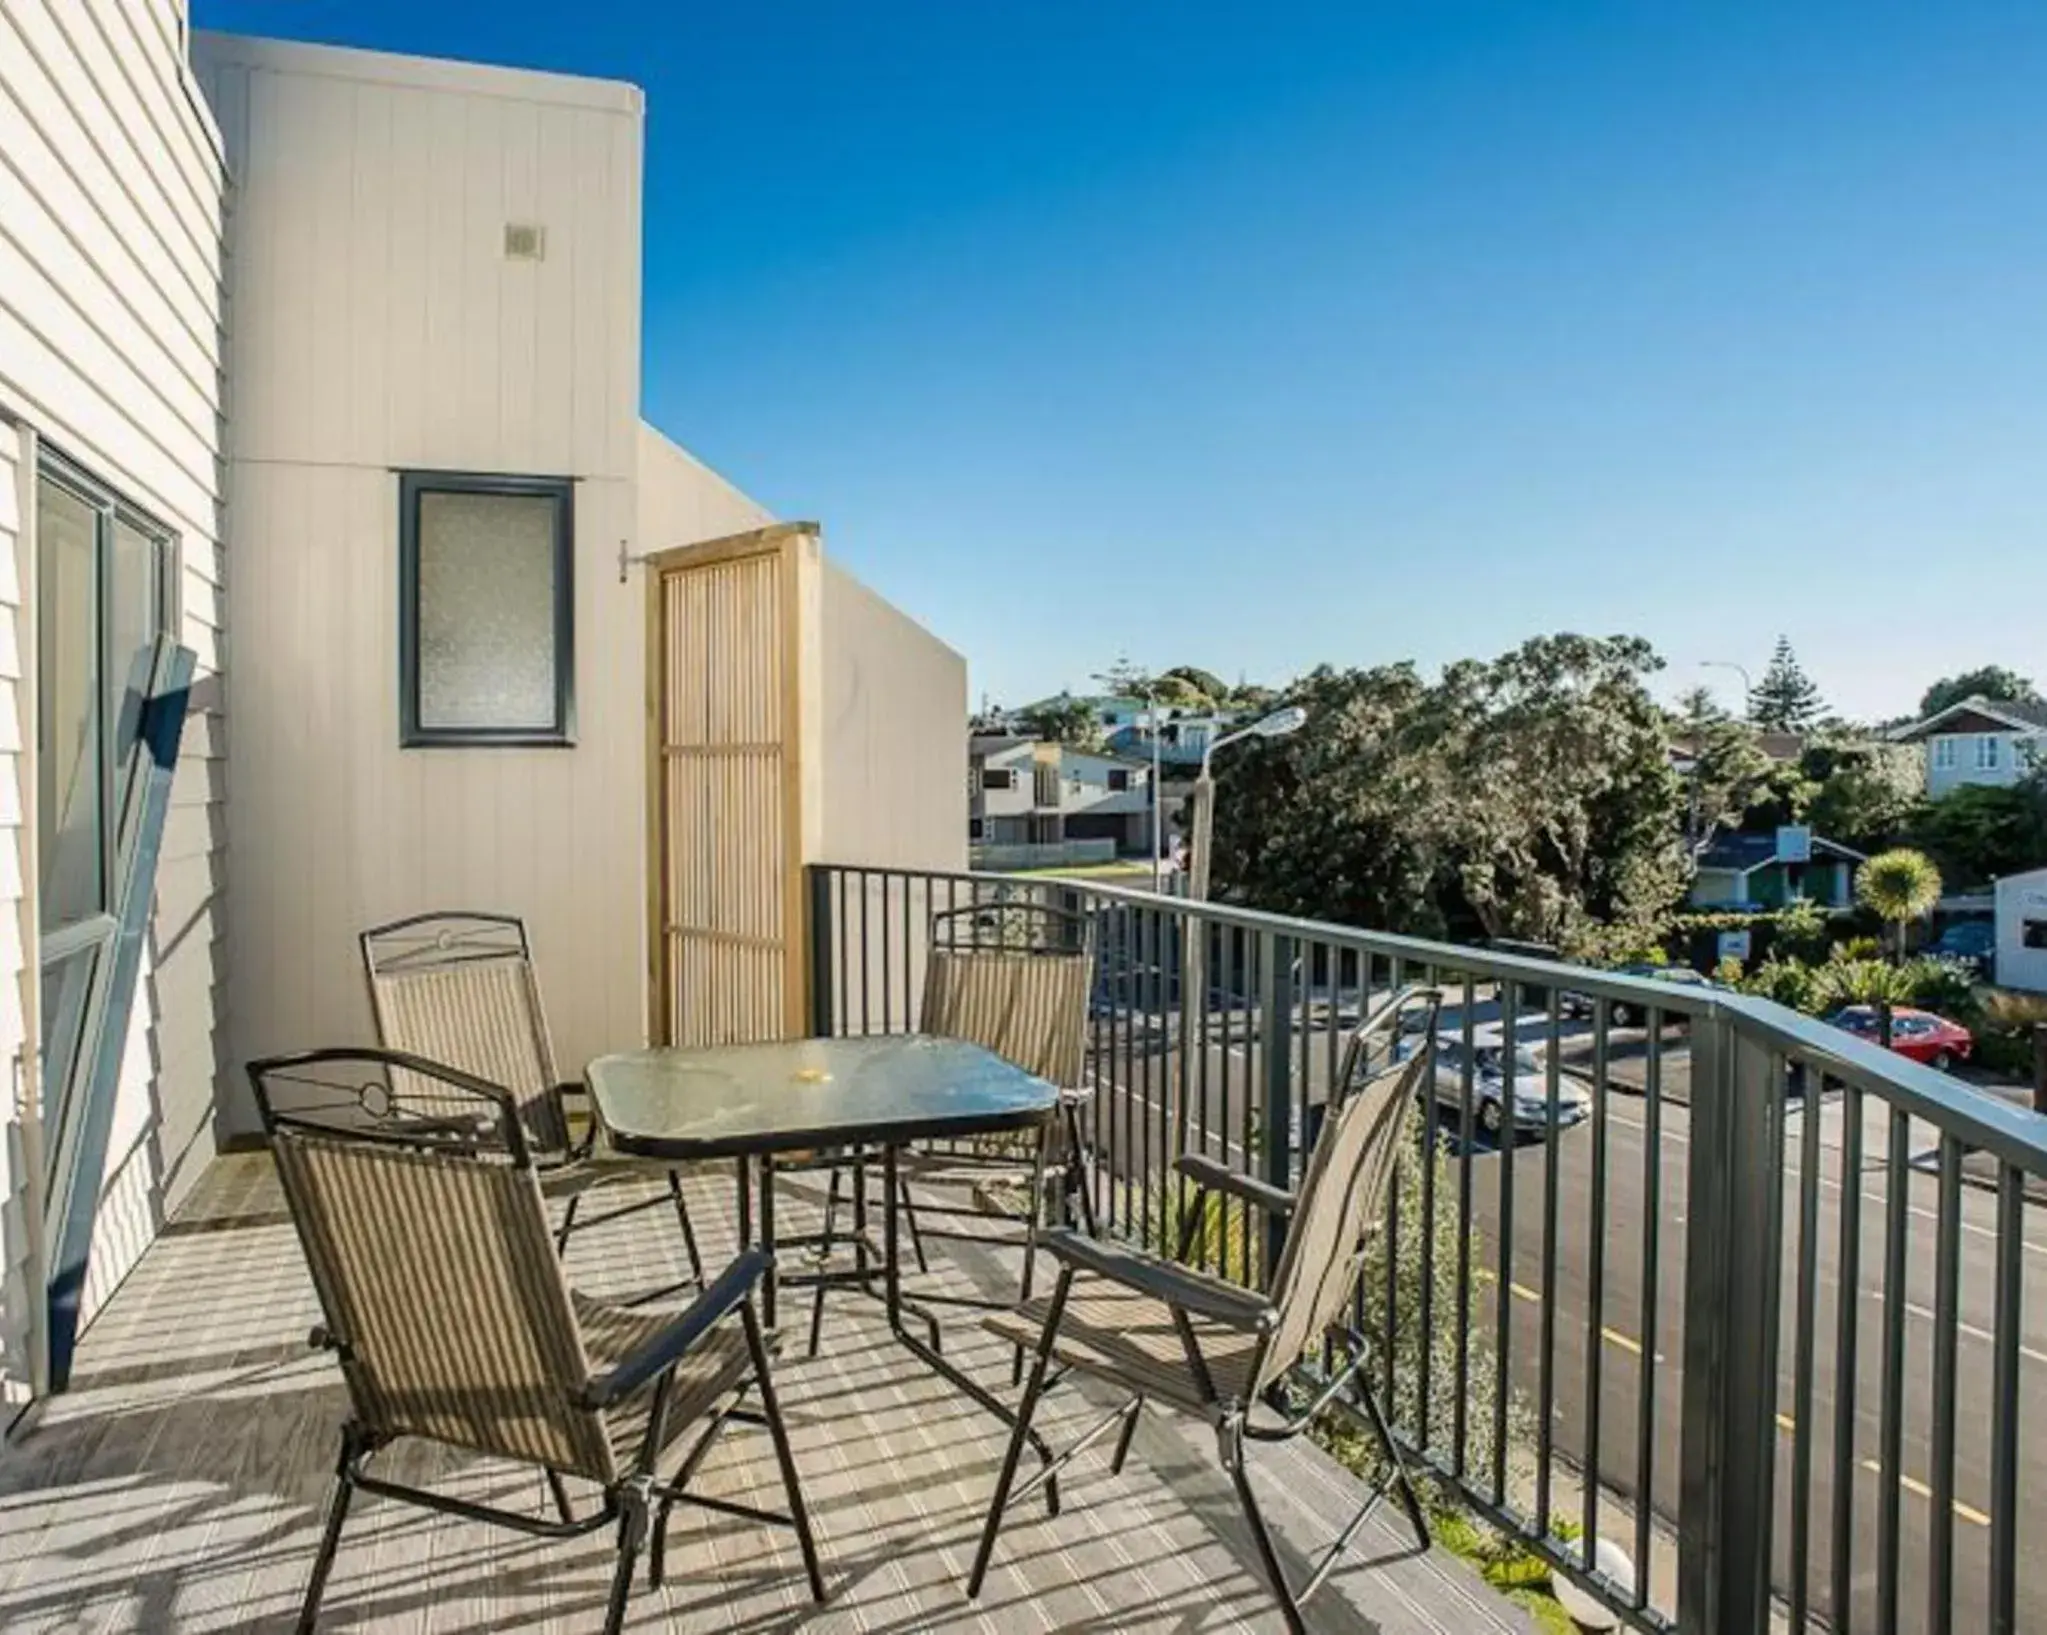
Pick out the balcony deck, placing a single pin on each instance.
(179, 1485)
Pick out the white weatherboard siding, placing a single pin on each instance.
(110, 270)
(379, 325)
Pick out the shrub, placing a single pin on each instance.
(1861, 982)
(1789, 982)
(1945, 986)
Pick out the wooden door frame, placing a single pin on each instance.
(796, 546)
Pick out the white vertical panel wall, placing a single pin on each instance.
(378, 325)
(110, 267)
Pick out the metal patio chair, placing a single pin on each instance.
(417, 1200)
(459, 988)
(1013, 977)
(1162, 1332)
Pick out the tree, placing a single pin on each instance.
(1991, 681)
(1899, 886)
(1517, 797)
(1726, 768)
(1785, 700)
(1979, 831)
(1065, 720)
(1201, 686)
(1867, 793)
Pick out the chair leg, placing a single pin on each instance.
(657, 1553)
(771, 1411)
(689, 1232)
(1029, 1406)
(632, 1533)
(560, 1494)
(330, 1539)
(1125, 1436)
(1240, 1478)
(831, 1220)
(1079, 1184)
(1410, 1500)
(568, 1225)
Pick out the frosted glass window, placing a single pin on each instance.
(487, 610)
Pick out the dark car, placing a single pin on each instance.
(1626, 1012)
(1968, 942)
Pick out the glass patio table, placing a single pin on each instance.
(752, 1103)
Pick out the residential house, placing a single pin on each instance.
(1032, 803)
(1980, 741)
(329, 360)
(1763, 871)
(2022, 931)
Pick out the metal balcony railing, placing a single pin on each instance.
(1723, 1311)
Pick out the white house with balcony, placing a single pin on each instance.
(1980, 741)
(1033, 803)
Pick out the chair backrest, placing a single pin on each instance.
(1343, 1194)
(459, 988)
(1013, 978)
(427, 1239)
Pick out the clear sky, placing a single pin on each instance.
(1261, 336)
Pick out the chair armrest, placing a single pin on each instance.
(1194, 1294)
(1207, 1172)
(661, 1351)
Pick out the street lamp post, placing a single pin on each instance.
(1194, 940)
(1748, 691)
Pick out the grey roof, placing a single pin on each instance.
(2017, 714)
(1742, 852)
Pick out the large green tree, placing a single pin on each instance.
(1980, 831)
(1866, 792)
(1991, 681)
(1785, 700)
(1517, 797)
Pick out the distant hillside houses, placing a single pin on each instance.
(1184, 731)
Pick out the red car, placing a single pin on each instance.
(1920, 1035)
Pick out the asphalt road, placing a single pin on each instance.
(1224, 1079)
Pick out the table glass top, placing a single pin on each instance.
(738, 1098)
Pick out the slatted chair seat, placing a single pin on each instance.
(418, 1204)
(1110, 1328)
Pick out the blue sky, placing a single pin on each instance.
(1257, 337)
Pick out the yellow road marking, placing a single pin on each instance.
(1911, 1484)
(1613, 1336)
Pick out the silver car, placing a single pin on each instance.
(1489, 1086)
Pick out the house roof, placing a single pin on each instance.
(1745, 853)
(2013, 717)
(993, 743)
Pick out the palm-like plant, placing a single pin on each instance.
(1899, 886)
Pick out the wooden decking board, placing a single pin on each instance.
(180, 1487)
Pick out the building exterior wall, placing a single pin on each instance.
(2021, 900)
(2016, 755)
(110, 315)
(895, 701)
(378, 326)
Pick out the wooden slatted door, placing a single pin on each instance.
(729, 631)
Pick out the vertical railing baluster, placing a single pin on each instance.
(1847, 1334)
(888, 1007)
(866, 961)
(1947, 1278)
(1595, 1278)
(1806, 1308)
(1503, 1293)
(1460, 1426)
(1276, 954)
(1546, 1359)
(2006, 1433)
(1652, 1255)
(1891, 1429)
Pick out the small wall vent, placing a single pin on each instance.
(525, 241)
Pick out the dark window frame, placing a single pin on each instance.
(412, 732)
(998, 777)
(1119, 780)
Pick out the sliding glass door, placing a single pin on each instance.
(104, 607)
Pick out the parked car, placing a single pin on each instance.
(1625, 1013)
(1970, 942)
(1489, 1085)
(1920, 1035)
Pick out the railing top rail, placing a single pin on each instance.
(2012, 1134)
